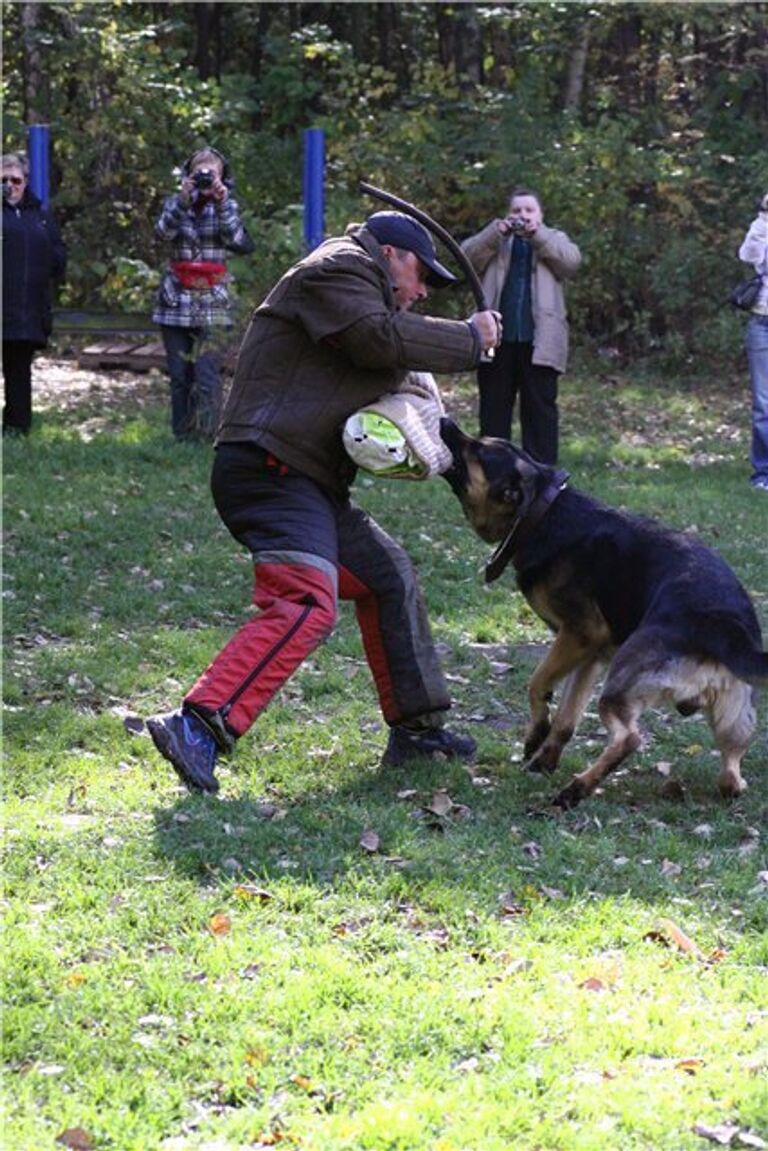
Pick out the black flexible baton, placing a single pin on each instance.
(443, 234)
(437, 230)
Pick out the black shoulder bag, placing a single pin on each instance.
(744, 294)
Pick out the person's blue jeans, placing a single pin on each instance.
(757, 354)
(195, 373)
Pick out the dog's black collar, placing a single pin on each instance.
(523, 526)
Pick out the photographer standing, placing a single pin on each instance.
(33, 256)
(754, 251)
(202, 221)
(523, 264)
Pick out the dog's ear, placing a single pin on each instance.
(526, 482)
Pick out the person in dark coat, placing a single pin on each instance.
(33, 257)
(334, 334)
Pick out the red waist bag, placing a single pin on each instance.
(198, 273)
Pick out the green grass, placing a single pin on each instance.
(495, 979)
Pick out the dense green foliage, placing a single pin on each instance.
(641, 124)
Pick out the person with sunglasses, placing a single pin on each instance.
(34, 256)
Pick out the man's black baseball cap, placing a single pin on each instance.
(402, 231)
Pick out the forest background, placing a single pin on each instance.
(643, 126)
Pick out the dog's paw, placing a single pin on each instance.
(571, 795)
(534, 738)
(544, 762)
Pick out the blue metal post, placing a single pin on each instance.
(38, 145)
(314, 161)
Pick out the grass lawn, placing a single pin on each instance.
(333, 955)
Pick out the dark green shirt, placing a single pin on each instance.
(515, 303)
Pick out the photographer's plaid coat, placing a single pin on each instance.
(202, 230)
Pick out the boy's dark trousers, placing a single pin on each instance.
(512, 372)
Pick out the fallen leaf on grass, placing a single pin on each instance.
(369, 841)
(592, 984)
(76, 1139)
(250, 891)
(440, 803)
(351, 926)
(726, 1134)
(671, 869)
(510, 904)
(220, 924)
(690, 1065)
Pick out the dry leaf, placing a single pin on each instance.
(250, 891)
(592, 984)
(251, 971)
(76, 1139)
(257, 1057)
(723, 1135)
(690, 1065)
(220, 924)
(670, 868)
(440, 803)
(369, 841)
(510, 905)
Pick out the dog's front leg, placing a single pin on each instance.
(568, 654)
(577, 689)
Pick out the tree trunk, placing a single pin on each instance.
(468, 45)
(207, 27)
(577, 67)
(34, 77)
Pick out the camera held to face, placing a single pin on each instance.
(516, 225)
(203, 178)
(6, 190)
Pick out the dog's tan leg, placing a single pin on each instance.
(567, 653)
(577, 689)
(733, 721)
(620, 716)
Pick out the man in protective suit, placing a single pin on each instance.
(334, 334)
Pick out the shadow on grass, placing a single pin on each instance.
(500, 850)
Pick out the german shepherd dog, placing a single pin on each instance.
(662, 614)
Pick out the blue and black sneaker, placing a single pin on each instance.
(188, 743)
(404, 745)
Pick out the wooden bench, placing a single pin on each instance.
(109, 340)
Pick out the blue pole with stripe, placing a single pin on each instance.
(38, 150)
(314, 162)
